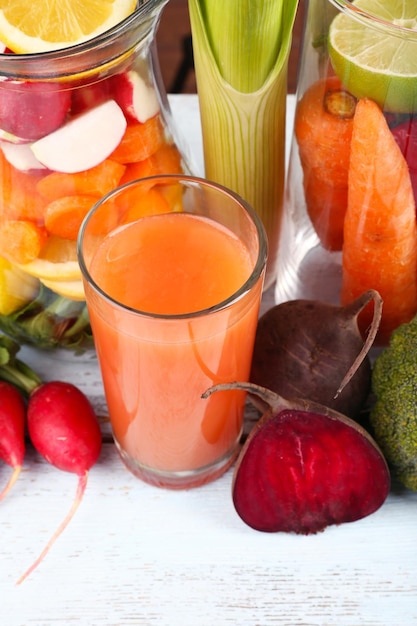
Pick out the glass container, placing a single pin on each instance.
(349, 222)
(173, 292)
(74, 124)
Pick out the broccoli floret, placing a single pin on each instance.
(394, 414)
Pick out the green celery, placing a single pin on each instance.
(241, 50)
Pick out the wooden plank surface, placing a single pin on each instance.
(137, 555)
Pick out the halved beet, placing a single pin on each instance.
(305, 467)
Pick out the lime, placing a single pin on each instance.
(377, 58)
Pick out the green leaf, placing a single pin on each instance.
(50, 321)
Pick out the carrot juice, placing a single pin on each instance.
(168, 329)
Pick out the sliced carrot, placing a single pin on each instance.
(137, 204)
(63, 217)
(96, 181)
(173, 194)
(166, 160)
(323, 128)
(105, 220)
(140, 141)
(21, 241)
(18, 196)
(380, 234)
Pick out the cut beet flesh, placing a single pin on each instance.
(301, 472)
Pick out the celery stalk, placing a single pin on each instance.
(241, 50)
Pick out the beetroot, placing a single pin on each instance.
(304, 467)
(314, 350)
(65, 431)
(12, 431)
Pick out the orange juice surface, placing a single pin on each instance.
(156, 368)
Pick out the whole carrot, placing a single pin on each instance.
(380, 232)
(323, 128)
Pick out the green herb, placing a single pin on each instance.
(14, 370)
(50, 321)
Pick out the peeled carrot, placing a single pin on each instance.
(140, 141)
(96, 181)
(63, 217)
(21, 241)
(323, 128)
(380, 234)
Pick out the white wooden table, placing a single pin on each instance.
(137, 555)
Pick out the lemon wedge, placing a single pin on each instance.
(16, 287)
(72, 289)
(45, 25)
(57, 262)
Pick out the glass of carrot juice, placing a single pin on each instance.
(173, 269)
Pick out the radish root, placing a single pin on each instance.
(82, 484)
(13, 478)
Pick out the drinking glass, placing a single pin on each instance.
(173, 270)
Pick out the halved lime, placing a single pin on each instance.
(377, 58)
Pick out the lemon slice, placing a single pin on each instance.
(16, 287)
(57, 261)
(373, 62)
(50, 24)
(72, 289)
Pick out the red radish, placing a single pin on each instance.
(83, 142)
(32, 109)
(87, 97)
(5, 136)
(304, 467)
(65, 431)
(12, 431)
(137, 100)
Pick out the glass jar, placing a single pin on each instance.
(349, 221)
(74, 124)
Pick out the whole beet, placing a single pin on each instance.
(314, 350)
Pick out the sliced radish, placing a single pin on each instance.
(137, 99)
(84, 141)
(6, 136)
(21, 156)
(32, 109)
(89, 96)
